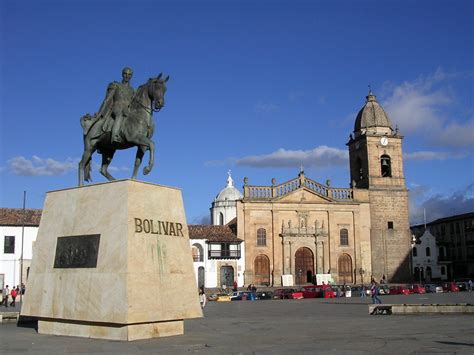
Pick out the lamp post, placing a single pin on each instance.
(362, 272)
(300, 272)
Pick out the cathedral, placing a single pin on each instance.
(299, 229)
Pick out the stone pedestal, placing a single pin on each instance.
(112, 261)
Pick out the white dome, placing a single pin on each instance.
(229, 193)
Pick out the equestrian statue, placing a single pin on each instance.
(124, 120)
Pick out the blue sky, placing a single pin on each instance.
(258, 87)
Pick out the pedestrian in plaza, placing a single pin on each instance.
(254, 289)
(235, 286)
(13, 294)
(202, 299)
(5, 294)
(374, 290)
(470, 285)
(363, 291)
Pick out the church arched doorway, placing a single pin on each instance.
(201, 277)
(262, 270)
(344, 267)
(304, 266)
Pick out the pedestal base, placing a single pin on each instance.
(111, 331)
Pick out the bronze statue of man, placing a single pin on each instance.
(116, 104)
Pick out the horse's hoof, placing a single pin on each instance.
(146, 170)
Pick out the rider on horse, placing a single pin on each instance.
(116, 105)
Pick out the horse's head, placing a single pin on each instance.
(156, 91)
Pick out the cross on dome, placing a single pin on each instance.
(230, 181)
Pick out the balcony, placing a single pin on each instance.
(224, 254)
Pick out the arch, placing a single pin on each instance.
(261, 237)
(261, 267)
(201, 277)
(197, 252)
(221, 219)
(428, 273)
(227, 276)
(385, 166)
(415, 251)
(344, 236)
(428, 251)
(304, 266)
(344, 268)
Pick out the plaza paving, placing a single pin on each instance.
(337, 326)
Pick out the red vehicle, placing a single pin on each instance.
(399, 290)
(312, 291)
(418, 288)
(450, 287)
(287, 293)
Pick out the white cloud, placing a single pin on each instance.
(426, 155)
(439, 205)
(37, 166)
(322, 156)
(266, 107)
(423, 106)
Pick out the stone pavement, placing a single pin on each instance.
(335, 326)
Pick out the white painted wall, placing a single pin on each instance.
(10, 264)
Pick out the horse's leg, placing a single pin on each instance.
(85, 160)
(138, 160)
(148, 143)
(107, 157)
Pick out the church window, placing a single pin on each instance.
(428, 251)
(261, 237)
(386, 166)
(359, 169)
(390, 224)
(221, 219)
(415, 252)
(197, 252)
(443, 270)
(344, 236)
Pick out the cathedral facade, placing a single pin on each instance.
(301, 228)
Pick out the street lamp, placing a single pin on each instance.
(362, 272)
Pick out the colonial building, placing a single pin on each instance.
(300, 228)
(18, 231)
(454, 244)
(426, 266)
(217, 255)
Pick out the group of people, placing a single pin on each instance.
(7, 294)
(251, 288)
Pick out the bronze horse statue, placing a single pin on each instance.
(137, 130)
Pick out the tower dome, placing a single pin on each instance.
(372, 117)
(224, 206)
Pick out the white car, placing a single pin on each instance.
(432, 288)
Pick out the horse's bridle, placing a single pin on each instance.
(148, 110)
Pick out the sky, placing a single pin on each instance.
(260, 88)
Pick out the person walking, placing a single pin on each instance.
(363, 292)
(374, 290)
(14, 293)
(202, 299)
(5, 294)
(470, 285)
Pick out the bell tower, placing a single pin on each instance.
(376, 164)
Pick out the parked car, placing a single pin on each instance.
(450, 287)
(418, 288)
(463, 286)
(399, 290)
(432, 288)
(312, 291)
(223, 298)
(287, 293)
(264, 295)
(384, 290)
(243, 296)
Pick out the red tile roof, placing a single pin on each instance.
(212, 233)
(14, 217)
